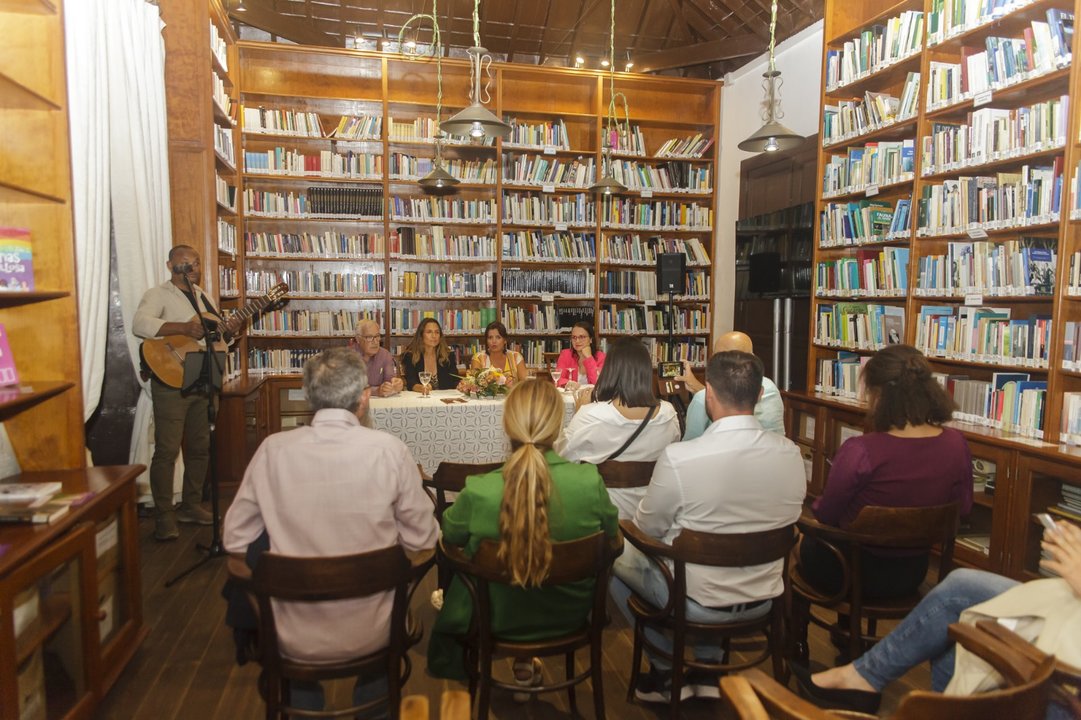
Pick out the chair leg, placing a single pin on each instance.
(570, 691)
(484, 686)
(798, 650)
(636, 661)
(678, 647)
(855, 633)
(596, 671)
(776, 642)
(872, 631)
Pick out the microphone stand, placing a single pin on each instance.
(207, 386)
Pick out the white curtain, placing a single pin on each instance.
(116, 60)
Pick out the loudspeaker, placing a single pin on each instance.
(671, 273)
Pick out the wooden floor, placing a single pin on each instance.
(186, 667)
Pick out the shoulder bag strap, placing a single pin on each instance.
(637, 431)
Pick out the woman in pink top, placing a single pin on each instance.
(580, 364)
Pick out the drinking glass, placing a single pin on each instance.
(426, 381)
(556, 374)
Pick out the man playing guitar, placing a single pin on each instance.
(169, 309)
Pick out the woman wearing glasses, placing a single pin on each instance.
(580, 364)
(382, 372)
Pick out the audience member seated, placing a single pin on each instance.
(510, 362)
(580, 364)
(428, 351)
(769, 409)
(382, 372)
(625, 421)
(735, 478)
(535, 499)
(1051, 609)
(909, 460)
(334, 488)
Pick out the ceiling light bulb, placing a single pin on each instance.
(771, 145)
(579, 60)
(628, 66)
(477, 130)
(411, 44)
(604, 63)
(240, 7)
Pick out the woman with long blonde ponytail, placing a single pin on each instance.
(535, 499)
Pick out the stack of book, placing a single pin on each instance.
(36, 502)
(1070, 507)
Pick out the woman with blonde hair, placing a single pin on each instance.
(535, 499)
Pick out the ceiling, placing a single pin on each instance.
(697, 38)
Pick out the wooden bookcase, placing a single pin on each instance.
(70, 592)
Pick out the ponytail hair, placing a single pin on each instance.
(901, 390)
(532, 419)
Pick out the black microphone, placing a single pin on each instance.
(182, 269)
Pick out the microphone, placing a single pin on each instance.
(182, 269)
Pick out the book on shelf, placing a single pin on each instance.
(1022, 267)
(874, 49)
(8, 374)
(38, 515)
(16, 260)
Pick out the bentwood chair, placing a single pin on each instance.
(735, 550)
(1027, 674)
(913, 528)
(450, 478)
(588, 558)
(279, 578)
(619, 474)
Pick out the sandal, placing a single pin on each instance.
(527, 673)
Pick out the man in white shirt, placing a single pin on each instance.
(334, 488)
(769, 410)
(735, 478)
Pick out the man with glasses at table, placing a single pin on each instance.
(382, 372)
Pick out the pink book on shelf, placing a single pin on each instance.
(8, 374)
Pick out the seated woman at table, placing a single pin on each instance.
(499, 356)
(535, 499)
(580, 363)
(427, 351)
(623, 407)
(909, 460)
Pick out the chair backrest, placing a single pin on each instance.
(909, 527)
(626, 474)
(572, 560)
(450, 477)
(550, 359)
(733, 549)
(756, 696)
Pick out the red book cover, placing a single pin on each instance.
(8, 374)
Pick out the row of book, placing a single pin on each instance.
(277, 121)
(849, 119)
(672, 176)
(995, 134)
(565, 283)
(519, 169)
(228, 281)
(1071, 346)
(223, 144)
(424, 130)
(634, 250)
(1070, 433)
(409, 167)
(881, 272)
(437, 244)
(219, 47)
(317, 282)
(864, 222)
(623, 320)
(873, 164)
(641, 285)
(429, 209)
(442, 284)
(537, 246)
(326, 163)
(225, 193)
(859, 326)
(635, 214)
(538, 135)
(310, 322)
(220, 95)
(1011, 402)
(525, 208)
(543, 319)
(875, 49)
(358, 127)
(327, 244)
(949, 18)
(226, 237)
(841, 375)
(454, 321)
(692, 146)
(1025, 266)
(627, 140)
(316, 202)
(984, 335)
(1005, 200)
(1003, 61)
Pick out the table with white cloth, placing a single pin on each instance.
(435, 431)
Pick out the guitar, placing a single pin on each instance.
(164, 356)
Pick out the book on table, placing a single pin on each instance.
(27, 492)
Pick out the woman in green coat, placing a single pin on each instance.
(535, 499)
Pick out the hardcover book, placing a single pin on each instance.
(16, 260)
(8, 374)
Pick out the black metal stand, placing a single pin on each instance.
(671, 328)
(216, 548)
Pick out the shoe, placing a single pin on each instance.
(656, 687)
(165, 527)
(527, 673)
(704, 684)
(193, 515)
(835, 698)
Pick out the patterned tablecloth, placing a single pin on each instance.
(435, 431)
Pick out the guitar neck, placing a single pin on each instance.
(245, 313)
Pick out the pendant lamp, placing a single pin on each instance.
(477, 121)
(772, 136)
(608, 184)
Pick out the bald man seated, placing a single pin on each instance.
(769, 411)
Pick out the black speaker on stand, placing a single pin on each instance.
(671, 279)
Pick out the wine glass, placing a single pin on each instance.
(556, 374)
(426, 381)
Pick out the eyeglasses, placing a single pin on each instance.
(579, 337)
(369, 338)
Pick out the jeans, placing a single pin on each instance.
(923, 636)
(308, 695)
(634, 572)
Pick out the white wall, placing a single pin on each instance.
(799, 59)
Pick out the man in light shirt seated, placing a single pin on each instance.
(735, 478)
(769, 410)
(334, 488)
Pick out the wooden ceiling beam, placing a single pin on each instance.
(728, 27)
(688, 27)
(258, 15)
(701, 54)
(758, 27)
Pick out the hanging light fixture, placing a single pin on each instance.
(438, 178)
(773, 136)
(477, 121)
(608, 183)
(240, 7)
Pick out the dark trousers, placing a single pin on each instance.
(178, 419)
(884, 577)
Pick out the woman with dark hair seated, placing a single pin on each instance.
(580, 364)
(499, 356)
(908, 460)
(624, 409)
(428, 352)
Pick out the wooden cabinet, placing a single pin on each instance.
(1040, 483)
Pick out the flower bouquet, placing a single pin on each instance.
(486, 382)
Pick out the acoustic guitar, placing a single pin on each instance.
(164, 356)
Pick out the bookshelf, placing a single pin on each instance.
(521, 239)
(70, 591)
(944, 221)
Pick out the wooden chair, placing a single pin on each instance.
(313, 580)
(587, 558)
(1028, 674)
(713, 550)
(550, 360)
(675, 392)
(626, 474)
(901, 528)
(450, 477)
